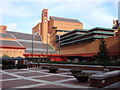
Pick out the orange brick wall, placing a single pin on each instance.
(11, 52)
(37, 28)
(62, 25)
(112, 45)
(11, 39)
(44, 26)
(3, 29)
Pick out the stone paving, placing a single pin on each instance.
(39, 78)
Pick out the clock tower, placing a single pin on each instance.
(44, 28)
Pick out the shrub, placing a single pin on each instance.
(8, 67)
(20, 66)
(82, 77)
(102, 54)
(107, 63)
(53, 69)
(73, 71)
(8, 64)
(44, 67)
(5, 55)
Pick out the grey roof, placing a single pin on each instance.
(65, 19)
(40, 52)
(26, 41)
(36, 45)
(24, 36)
(10, 43)
(6, 35)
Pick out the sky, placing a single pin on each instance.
(23, 15)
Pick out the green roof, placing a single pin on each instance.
(70, 36)
(85, 30)
(63, 30)
(92, 37)
(97, 32)
(109, 29)
(67, 36)
(110, 33)
(54, 27)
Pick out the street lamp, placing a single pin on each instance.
(33, 36)
(59, 45)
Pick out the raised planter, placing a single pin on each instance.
(8, 67)
(53, 69)
(104, 79)
(21, 66)
(73, 71)
(82, 77)
(83, 67)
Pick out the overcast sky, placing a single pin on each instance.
(22, 15)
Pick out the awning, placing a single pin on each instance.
(12, 58)
(18, 58)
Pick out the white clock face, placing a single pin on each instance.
(45, 20)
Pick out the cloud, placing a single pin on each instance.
(12, 27)
(1, 11)
(59, 1)
(102, 16)
(92, 14)
(16, 10)
(119, 11)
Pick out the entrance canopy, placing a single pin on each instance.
(12, 58)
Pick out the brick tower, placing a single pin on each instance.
(44, 23)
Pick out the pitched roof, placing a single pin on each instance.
(24, 36)
(26, 41)
(65, 19)
(10, 43)
(6, 35)
(36, 45)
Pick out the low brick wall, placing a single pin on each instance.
(83, 67)
(105, 79)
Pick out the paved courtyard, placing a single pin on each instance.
(39, 78)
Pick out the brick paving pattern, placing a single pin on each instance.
(39, 78)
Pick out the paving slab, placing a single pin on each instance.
(50, 86)
(76, 82)
(16, 70)
(6, 76)
(40, 78)
(15, 83)
(29, 74)
(53, 78)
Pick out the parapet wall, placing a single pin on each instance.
(3, 29)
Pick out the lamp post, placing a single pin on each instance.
(47, 47)
(59, 44)
(59, 47)
(32, 46)
(33, 36)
